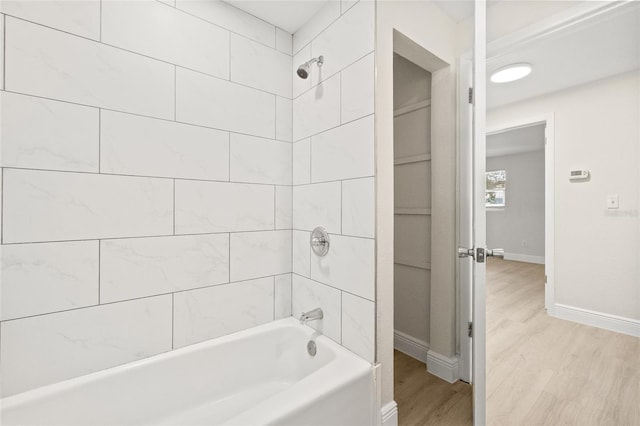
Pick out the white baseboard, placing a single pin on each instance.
(390, 414)
(442, 366)
(411, 346)
(524, 258)
(598, 319)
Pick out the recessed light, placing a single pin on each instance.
(511, 72)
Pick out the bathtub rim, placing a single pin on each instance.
(14, 401)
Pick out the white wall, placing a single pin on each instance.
(333, 173)
(518, 227)
(596, 249)
(146, 181)
(428, 26)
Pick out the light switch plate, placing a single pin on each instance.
(612, 201)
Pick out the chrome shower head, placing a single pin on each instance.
(303, 70)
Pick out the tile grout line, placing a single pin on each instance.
(187, 179)
(152, 236)
(146, 116)
(150, 296)
(143, 54)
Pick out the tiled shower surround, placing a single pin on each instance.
(152, 193)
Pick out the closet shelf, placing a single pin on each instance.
(411, 159)
(411, 108)
(413, 211)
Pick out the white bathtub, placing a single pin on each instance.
(260, 376)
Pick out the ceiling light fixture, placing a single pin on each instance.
(511, 72)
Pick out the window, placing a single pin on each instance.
(495, 183)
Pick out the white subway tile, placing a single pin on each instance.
(212, 102)
(284, 119)
(82, 341)
(231, 18)
(321, 20)
(284, 207)
(358, 207)
(166, 33)
(317, 110)
(169, 2)
(136, 145)
(65, 137)
(317, 205)
(308, 295)
(357, 89)
(301, 85)
(53, 206)
(203, 207)
(302, 253)
(212, 312)
(349, 265)
(259, 66)
(76, 17)
(259, 160)
(348, 39)
(302, 162)
(284, 41)
(282, 296)
(139, 267)
(344, 152)
(48, 277)
(52, 64)
(358, 325)
(259, 254)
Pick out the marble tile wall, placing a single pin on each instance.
(146, 181)
(333, 173)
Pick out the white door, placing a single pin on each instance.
(472, 216)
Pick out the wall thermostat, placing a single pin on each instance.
(578, 174)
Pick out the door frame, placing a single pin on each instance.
(548, 119)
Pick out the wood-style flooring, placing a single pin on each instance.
(540, 370)
(424, 399)
(546, 371)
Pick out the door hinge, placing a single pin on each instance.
(470, 329)
(470, 95)
(545, 279)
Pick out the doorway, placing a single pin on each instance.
(427, 357)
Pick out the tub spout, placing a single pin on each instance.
(315, 314)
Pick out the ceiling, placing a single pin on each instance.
(516, 141)
(585, 52)
(289, 15)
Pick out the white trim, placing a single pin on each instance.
(584, 11)
(411, 346)
(598, 319)
(442, 366)
(389, 414)
(524, 258)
